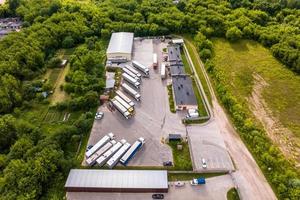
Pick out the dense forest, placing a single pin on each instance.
(33, 158)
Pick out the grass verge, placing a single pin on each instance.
(182, 158)
(171, 99)
(190, 176)
(232, 194)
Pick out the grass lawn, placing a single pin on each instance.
(187, 68)
(239, 61)
(54, 74)
(190, 176)
(189, 42)
(232, 194)
(182, 158)
(171, 99)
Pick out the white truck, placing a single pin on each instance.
(141, 67)
(100, 144)
(131, 91)
(192, 113)
(131, 80)
(155, 63)
(117, 156)
(163, 71)
(132, 151)
(121, 108)
(127, 71)
(108, 154)
(125, 98)
(133, 70)
(124, 104)
(92, 159)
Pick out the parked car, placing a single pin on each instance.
(204, 165)
(158, 196)
(179, 184)
(167, 163)
(99, 115)
(89, 147)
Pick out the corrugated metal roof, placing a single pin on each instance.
(120, 42)
(94, 178)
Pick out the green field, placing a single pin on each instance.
(240, 61)
(182, 158)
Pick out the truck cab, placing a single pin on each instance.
(198, 181)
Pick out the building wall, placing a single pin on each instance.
(118, 55)
(185, 107)
(118, 190)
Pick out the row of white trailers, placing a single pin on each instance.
(109, 152)
(131, 74)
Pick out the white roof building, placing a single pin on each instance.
(120, 46)
(95, 180)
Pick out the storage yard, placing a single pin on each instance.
(137, 121)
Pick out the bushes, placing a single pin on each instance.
(233, 34)
(171, 99)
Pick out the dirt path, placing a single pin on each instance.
(280, 135)
(59, 95)
(248, 177)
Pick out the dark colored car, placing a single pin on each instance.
(167, 163)
(89, 147)
(158, 196)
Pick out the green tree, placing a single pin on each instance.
(233, 34)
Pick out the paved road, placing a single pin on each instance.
(248, 177)
(215, 189)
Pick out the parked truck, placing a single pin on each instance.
(141, 67)
(127, 71)
(125, 98)
(131, 80)
(92, 159)
(117, 156)
(132, 151)
(155, 63)
(131, 91)
(121, 108)
(129, 108)
(100, 144)
(163, 71)
(108, 154)
(198, 181)
(133, 70)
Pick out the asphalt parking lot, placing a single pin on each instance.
(215, 188)
(152, 120)
(206, 142)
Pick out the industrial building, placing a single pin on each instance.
(184, 93)
(184, 96)
(120, 47)
(131, 181)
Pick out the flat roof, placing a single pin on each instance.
(118, 179)
(183, 90)
(174, 52)
(175, 60)
(120, 42)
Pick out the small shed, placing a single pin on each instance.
(174, 137)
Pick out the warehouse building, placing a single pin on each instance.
(184, 93)
(175, 61)
(120, 47)
(94, 180)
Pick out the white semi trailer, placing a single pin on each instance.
(127, 71)
(141, 67)
(163, 70)
(108, 154)
(132, 151)
(131, 80)
(100, 144)
(124, 104)
(125, 98)
(92, 159)
(121, 108)
(133, 70)
(117, 156)
(131, 91)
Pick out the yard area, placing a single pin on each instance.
(182, 158)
